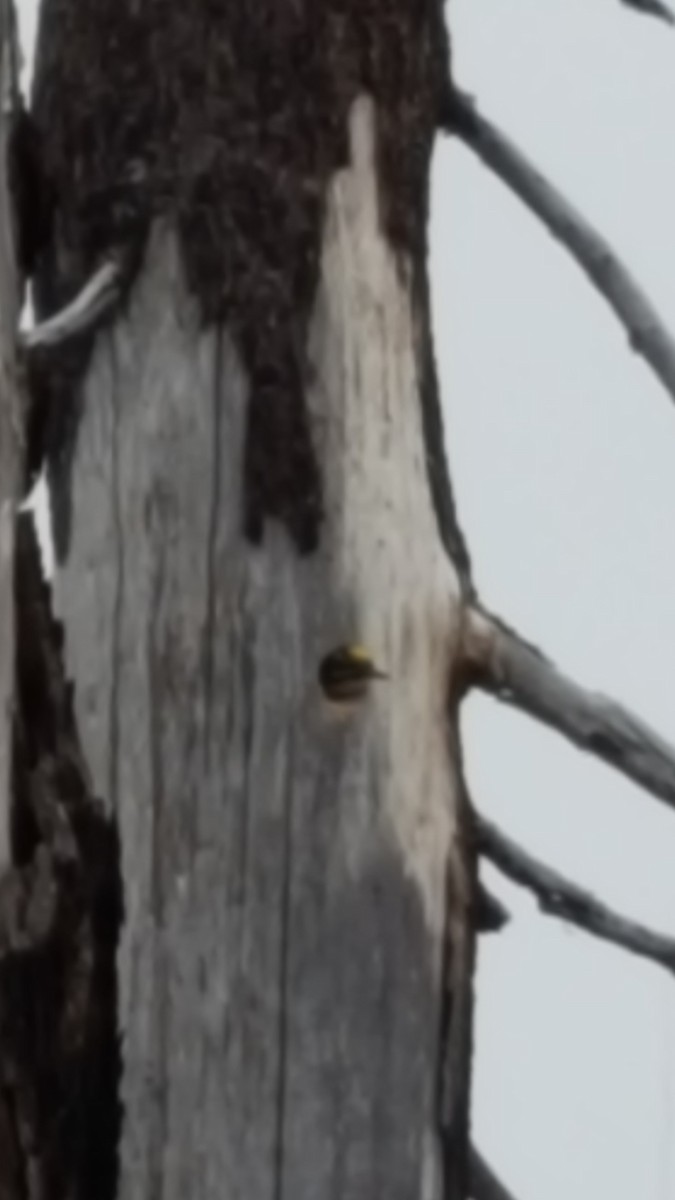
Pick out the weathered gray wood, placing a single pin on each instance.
(10, 426)
(285, 870)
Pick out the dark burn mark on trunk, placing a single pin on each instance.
(280, 469)
(60, 914)
(231, 117)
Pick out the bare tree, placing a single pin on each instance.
(232, 387)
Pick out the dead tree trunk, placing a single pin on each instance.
(247, 470)
(10, 448)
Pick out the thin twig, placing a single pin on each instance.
(483, 1183)
(646, 330)
(502, 663)
(94, 300)
(652, 8)
(559, 897)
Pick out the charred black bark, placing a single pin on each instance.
(230, 118)
(434, 436)
(60, 913)
(30, 190)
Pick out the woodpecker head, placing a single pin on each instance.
(346, 673)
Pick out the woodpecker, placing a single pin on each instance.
(346, 673)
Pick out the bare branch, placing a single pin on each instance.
(502, 663)
(647, 332)
(91, 303)
(652, 8)
(483, 1183)
(559, 897)
(491, 915)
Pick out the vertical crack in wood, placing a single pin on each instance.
(211, 538)
(160, 852)
(443, 1065)
(284, 951)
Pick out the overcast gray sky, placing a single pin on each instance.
(562, 450)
